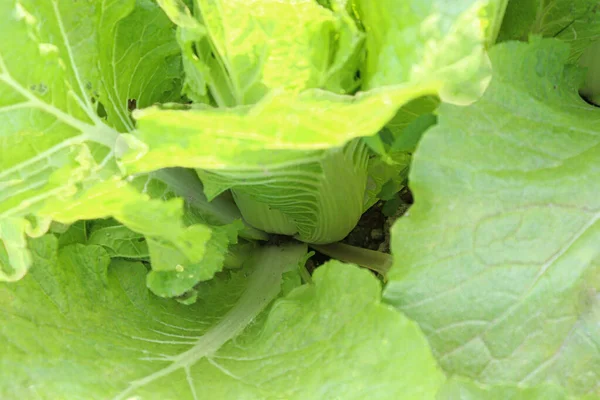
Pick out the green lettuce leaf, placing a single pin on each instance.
(430, 41)
(80, 326)
(575, 22)
(186, 239)
(173, 273)
(252, 137)
(139, 62)
(63, 105)
(394, 145)
(49, 119)
(285, 137)
(498, 260)
(235, 52)
(53, 137)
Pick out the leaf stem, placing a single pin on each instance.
(373, 260)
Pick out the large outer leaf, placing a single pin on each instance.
(498, 259)
(47, 115)
(73, 329)
(576, 22)
(63, 64)
(277, 152)
(50, 83)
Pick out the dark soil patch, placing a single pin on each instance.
(315, 261)
(369, 232)
(373, 229)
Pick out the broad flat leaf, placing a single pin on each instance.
(246, 147)
(176, 236)
(575, 22)
(498, 260)
(251, 137)
(47, 114)
(162, 220)
(63, 65)
(431, 41)
(187, 238)
(49, 97)
(79, 328)
(174, 271)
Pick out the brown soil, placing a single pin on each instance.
(373, 229)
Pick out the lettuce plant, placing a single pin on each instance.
(169, 167)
